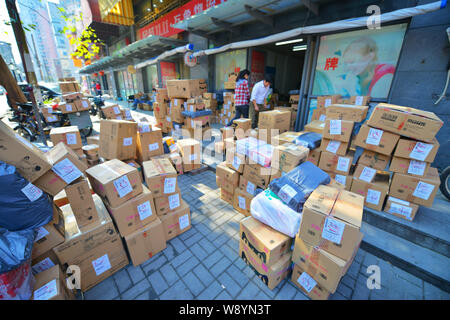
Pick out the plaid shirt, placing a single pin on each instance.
(241, 94)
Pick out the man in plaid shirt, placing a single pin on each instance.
(241, 96)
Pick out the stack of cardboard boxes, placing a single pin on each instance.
(228, 110)
(196, 123)
(91, 153)
(293, 101)
(161, 110)
(210, 101)
(115, 112)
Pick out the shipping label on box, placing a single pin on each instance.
(308, 285)
(374, 160)
(376, 140)
(417, 150)
(176, 222)
(168, 202)
(335, 163)
(401, 208)
(347, 112)
(336, 147)
(338, 130)
(160, 176)
(408, 166)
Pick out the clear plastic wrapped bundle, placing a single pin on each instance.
(196, 114)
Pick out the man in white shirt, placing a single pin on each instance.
(258, 98)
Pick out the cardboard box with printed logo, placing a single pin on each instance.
(409, 166)
(314, 156)
(69, 135)
(115, 181)
(373, 185)
(258, 174)
(376, 140)
(149, 142)
(401, 208)
(347, 112)
(190, 152)
(241, 201)
(288, 156)
(51, 285)
(335, 163)
(338, 130)
(275, 119)
(160, 176)
(168, 202)
(301, 279)
(177, 221)
(146, 241)
(337, 147)
(118, 139)
(80, 200)
(417, 150)
(374, 160)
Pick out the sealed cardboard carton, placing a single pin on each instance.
(248, 186)
(51, 285)
(145, 242)
(308, 285)
(66, 107)
(136, 165)
(81, 201)
(326, 101)
(314, 156)
(408, 166)
(225, 172)
(69, 135)
(160, 109)
(318, 114)
(417, 150)
(413, 123)
(315, 126)
(112, 111)
(135, 213)
(176, 222)
(332, 219)
(196, 123)
(117, 139)
(347, 112)
(374, 160)
(115, 181)
(285, 137)
(242, 125)
(91, 151)
(360, 100)
(190, 152)
(226, 196)
(258, 174)
(241, 201)
(93, 139)
(335, 163)
(289, 156)
(227, 132)
(149, 142)
(44, 261)
(339, 130)
(82, 105)
(275, 119)
(226, 185)
(28, 159)
(373, 190)
(345, 181)
(376, 140)
(167, 202)
(418, 190)
(46, 239)
(401, 208)
(337, 147)
(160, 176)
(234, 160)
(186, 88)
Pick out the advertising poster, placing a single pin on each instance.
(168, 72)
(228, 62)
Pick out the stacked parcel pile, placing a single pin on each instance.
(161, 111)
(197, 117)
(116, 112)
(228, 110)
(210, 101)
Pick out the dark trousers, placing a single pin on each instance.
(240, 111)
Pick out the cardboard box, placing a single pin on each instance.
(314, 156)
(401, 208)
(190, 152)
(168, 202)
(81, 201)
(176, 222)
(337, 147)
(258, 174)
(161, 95)
(332, 219)
(360, 100)
(315, 126)
(234, 160)
(338, 130)
(318, 114)
(51, 285)
(93, 140)
(199, 122)
(90, 150)
(148, 142)
(226, 185)
(343, 181)
(112, 111)
(46, 239)
(226, 196)
(136, 165)
(241, 201)
(373, 190)
(44, 261)
(186, 88)
(67, 167)
(274, 119)
(115, 181)
(416, 150)
(28, 159)
(209, 95)
(160, 176)
(289, 156)
(376, 140)
(413, 123)
(326, 101)
(118, 139)
(145, 242)
(66, 107)
(374, 160)
(247, 185)
(418, 190)
(335, 163)
(160, 109)
(408, 166)
(308, 285)
(347, 112)
(83, 105)
(225, 172)
(195, 104)
(285, 137)
(227, 132)
(243, 124)
(69, 135)
(219, 147)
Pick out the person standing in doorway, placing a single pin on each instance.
(259, 98)
(241, 96)
(98, 88)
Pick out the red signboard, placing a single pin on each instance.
(168, 72)
(163, 26)
(257, 67)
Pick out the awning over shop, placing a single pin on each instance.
(141, 50)
(117, 11)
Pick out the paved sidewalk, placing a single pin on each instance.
(203, 263)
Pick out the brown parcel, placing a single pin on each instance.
(308, 285)
(190, 153)
(241, 201)
(401, 208)
(334, 163)
(134, 214)
(97, 249)
(69, 135)
(275, 119)
(160, 176)
(80, 200)
(408, 122)
(176, 222)
(45, 261)
(374, 192)
(374, 160)
(168, 202)
(118, 139)
(226, 196)
(376, 140)
(322, 266)
(247, 185)
(51, 285)
(91, 151)
(337, 147)
(186, 88)
(347, 112)
(315, 126)
(314, 156)
(65, 107)
(93, 140)
(149, 142)
(137, 166)
(226, 185)
(360, 100)
(332, 219)
(285, 137)
(28, 159)
(227, 173)
(235, 160)
(339, 130)
(82, 105)
(115, 181)
(67, 167)
(416, 150)
(408, 166)
(289, 156)
(325, 101)
(418, 190)
(47, 238)
(146, 242)
(258, 174)
(345, 181)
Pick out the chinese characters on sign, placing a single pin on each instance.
(331, 63)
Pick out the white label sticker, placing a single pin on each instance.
(43, 265)
(236, 163)
(101, 264)
(47, 291)
(421, 151)
(287, 193)
(367, 174)
(340, 178)
(399, 209)
(322, 125)
(343, 164)
(143, 127)
(333, 146)
(322, 117)
(32, 192)
(127, 141)
(359, 100)
(52, 119)
(333, 230)
(84, 104)
(68, 107)
(417, 167)
(241, 202)
(144, 210)
(183, 221)
(168, 119)
(306, 282)
(373, 196)
(374, 136)
(116, 110)
(193, 157)
(123, 186)
(423, 190)
(49, 109)
(41, 233)
(67, 171)
(406, 203)
(173, 147)
(153, 146)
(174, 201)
(169, 185)
(251, 188)
(327, 102)
(335, 127)
(192, 123)
(71, 138)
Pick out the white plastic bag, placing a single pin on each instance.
(270, 210)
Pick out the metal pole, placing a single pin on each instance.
(26, 61)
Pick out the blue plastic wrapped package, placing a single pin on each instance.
(296, 186)
(196, 114)
(268, 208)
(22, 204)
(15, 248)
(310, 140)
